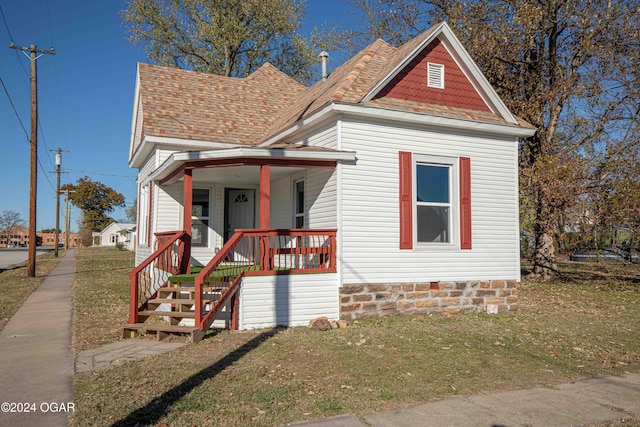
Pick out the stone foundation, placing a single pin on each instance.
(361, 301)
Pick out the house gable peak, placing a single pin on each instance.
(458, 82)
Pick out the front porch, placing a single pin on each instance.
(234, 244)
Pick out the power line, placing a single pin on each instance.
(102, 174)
(4, 20)
(56, 74)
(12, 42)
(45, 175)
(14, 109)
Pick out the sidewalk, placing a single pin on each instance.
(36, 359)
(583, 403)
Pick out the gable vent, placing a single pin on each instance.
(435, 75)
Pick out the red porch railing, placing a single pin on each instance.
(168, 259)
(260, 252)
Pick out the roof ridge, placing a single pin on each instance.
(356, 71)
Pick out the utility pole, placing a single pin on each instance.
(31, 270)
(58, 172)
(66, 229)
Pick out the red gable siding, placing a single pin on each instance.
(411, 83)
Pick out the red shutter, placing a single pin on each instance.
(406, 202)
(465, 203)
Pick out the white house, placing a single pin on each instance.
(389, 187)
(116, 233)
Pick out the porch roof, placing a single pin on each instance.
(277, 154)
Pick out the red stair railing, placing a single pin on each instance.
(167, 260)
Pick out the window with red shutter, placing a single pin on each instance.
(430, 212)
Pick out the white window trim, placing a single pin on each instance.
(143, 207)
(454, 192)
(433, 80)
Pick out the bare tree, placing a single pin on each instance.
(10, 223)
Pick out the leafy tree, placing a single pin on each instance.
(569, 67)
(10, 223)
(227, 37)
(132, 212)
(95, 200)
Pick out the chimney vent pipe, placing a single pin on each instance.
(323, 57)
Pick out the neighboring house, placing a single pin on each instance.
(116, 234)
(389, 187)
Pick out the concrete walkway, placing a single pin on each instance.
(36, 359)
(583, 403)
(120, 352)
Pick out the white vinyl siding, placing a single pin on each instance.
(169, 207)
(287, 300)
(281, 203)
(149, 166)
(370, 207)
(324, 135)
(321, 196)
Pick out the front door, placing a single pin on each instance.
(240, 213)
(240, 210)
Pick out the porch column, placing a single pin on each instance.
(265, 196)
(265, 216)
(187, 191)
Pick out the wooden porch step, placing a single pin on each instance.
(161, 331)
(173, 314)
(179, 301)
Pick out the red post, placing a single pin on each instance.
(185, 262)
(265, 214)
(133, 298)
(265, 197)
(234, 312)
(332, 249)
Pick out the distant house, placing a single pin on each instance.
(389, 187)
(115, 234)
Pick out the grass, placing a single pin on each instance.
(100, 296)
(583, 325)
(15, 286)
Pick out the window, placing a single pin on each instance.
(435, 200)
(200, 217)
(433, 203)
(435, 75)
(298, 200)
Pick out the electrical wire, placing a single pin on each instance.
(102, 174)
(11, 39)
(56, 74)
(26, 134)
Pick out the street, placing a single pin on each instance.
(12, 256)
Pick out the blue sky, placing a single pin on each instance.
(85, 97)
